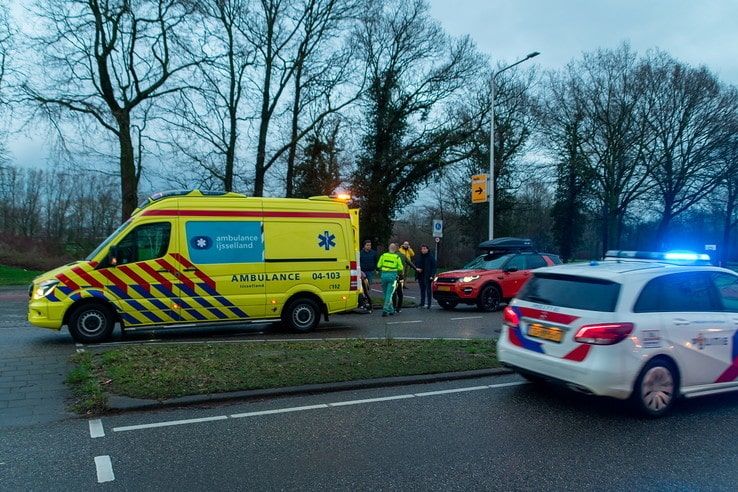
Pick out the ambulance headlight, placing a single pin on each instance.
(469, 278)
(45, 288)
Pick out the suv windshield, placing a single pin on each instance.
(590, 294)
(487, 262)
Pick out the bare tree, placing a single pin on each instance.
(617, 144)
(728, 191)
(6, 37)
(287, 35)
(412, 128)
(689, 116)
(207, 118)
(107, 60)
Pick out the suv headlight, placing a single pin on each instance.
(469, 278)
(45, 288)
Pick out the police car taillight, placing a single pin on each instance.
(510, 317)
(604, 334)
(354, 276)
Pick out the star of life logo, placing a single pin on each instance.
(201, 242)
(326, 240)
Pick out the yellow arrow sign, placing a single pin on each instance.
(479, 188)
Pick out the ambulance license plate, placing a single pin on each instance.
(445, 288)
(549, 333)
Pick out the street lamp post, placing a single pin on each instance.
(492, 146)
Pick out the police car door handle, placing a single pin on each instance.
(681, 321)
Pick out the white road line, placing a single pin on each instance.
(369, 400)
(313, 407)
(467, 317)
(504, 385)
(104, 469)
(96, 428)
(404, 322)
(169, 423)
(278, 410)
(455, 390)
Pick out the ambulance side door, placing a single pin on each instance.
(222, 267)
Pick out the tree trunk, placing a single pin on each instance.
(664, 223)
(293, 135)
(128, 180)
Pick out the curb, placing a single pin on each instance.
(124, 403)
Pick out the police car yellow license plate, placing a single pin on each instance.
(549, 333)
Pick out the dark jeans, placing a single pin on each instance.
(426, 295)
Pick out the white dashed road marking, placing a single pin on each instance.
(278, 410)
(96, 428)
(467, 317)
(404, 322)
(169, 423)
(104, 469)
(314, 407)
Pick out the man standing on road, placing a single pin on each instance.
(389, 266)
(367, 263)
(425, 266)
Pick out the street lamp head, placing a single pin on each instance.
(531, 55)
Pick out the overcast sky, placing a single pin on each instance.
(697, 32)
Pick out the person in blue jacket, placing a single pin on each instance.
(425, 266)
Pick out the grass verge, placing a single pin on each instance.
(161, 372)
(86, 384)
(16, 276)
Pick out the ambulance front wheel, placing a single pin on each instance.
(90, 323)
(301, 315)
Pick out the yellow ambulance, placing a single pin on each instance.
(189, 258)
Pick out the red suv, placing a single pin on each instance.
(489, 279)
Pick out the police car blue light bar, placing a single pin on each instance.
(673, 257)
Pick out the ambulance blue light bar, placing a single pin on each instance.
(674, 257)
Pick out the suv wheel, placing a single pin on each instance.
(656, 388)
(489, 299)
(447, 305)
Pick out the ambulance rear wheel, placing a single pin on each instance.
(91, 323)
(301, 315)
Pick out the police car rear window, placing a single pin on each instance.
(590, 294)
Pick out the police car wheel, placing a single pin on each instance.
(656, 388)
(448, 305)
(302, 315)
(91, 323)
(489, 300)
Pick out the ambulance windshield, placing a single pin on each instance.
(107, 241)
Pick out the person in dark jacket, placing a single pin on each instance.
(368, 260)
(368, 264)
(425, 266)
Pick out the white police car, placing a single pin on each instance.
(646, 326)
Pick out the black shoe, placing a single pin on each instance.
(384, 315)
(391, 314)
(397, 311)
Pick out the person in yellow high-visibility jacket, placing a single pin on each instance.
(389, 265)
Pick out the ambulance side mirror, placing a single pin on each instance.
(113, 254)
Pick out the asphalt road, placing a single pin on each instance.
(479, 434)
(489, 433)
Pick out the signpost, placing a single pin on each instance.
(479, 188)
(437, 233)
